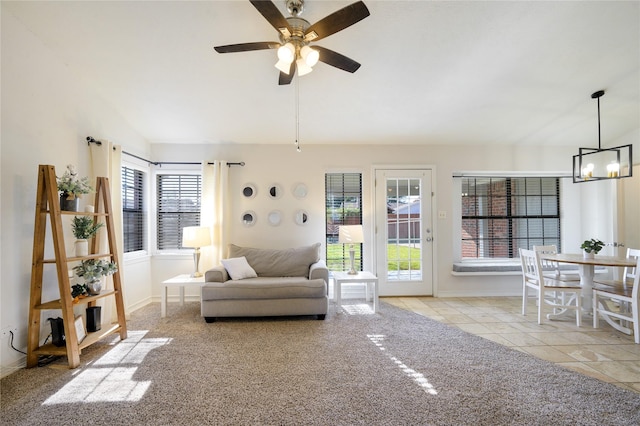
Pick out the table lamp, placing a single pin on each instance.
(196, 237)
(351, 234)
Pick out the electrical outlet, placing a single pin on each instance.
(5, 331)
(442, 214)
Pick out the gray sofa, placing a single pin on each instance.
(286, 282)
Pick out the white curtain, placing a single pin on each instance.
(106, 162)
(212, 213)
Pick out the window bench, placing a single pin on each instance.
(505, 268)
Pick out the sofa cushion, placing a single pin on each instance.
(238, 268)
(265, 288)
(292, 262)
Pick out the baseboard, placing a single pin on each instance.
(139, 304)
(14, 366)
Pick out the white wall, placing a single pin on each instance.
(47, 112)
(282, 164)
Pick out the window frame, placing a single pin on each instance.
(142, 211)
(153, 214)
(148, 202)
(343, 262)
(458, 211)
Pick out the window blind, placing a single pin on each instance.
(502, 214)
(343, 206)
(178, 206)
(133, 210)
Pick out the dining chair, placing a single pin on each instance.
(561, 295)
(619, 305)
(551, 268)
(628, 273)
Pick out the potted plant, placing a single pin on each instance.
(71, 188)
(84, 228)
(591, 247)
(92, 270)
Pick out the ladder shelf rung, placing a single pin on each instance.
(78, 258)
(91, 338)
(57, 304)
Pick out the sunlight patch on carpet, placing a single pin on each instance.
(417, 377)
(358, 309)
(110, 378)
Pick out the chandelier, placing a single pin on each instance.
(593, 164)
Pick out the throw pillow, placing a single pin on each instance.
(238, 268)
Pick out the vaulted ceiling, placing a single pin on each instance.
(451, 72)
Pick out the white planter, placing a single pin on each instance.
(587, 255)
(82, 248)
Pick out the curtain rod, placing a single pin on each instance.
(160, 163)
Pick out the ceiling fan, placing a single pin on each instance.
(296, 35)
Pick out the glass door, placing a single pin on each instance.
(404, 232)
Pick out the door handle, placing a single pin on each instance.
(429, 239)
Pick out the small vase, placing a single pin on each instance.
(82, 248)
(69, 205)
(95, 287)
(587, 255)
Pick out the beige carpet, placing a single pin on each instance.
(390, 368)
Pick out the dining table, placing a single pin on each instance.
(587, 269)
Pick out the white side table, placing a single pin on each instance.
(365, 277)
(180, 281)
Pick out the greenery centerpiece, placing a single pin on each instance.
(71, 187)
(591, 247)
(84, 228)
(92, 270)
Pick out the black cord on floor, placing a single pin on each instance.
(42, 361)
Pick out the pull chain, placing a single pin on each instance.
(297, 105)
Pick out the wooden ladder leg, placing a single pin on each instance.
(40, 224)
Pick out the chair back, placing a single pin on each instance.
(530, 266)
(630, 272)
(550, 249)
(545, 264)
(635, 293)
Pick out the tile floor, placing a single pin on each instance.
(603, 353)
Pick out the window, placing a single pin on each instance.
(502, 214)
(178, 206)
(133, 210)
(343, 205)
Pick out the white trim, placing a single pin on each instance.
(510, 174)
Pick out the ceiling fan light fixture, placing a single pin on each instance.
(310, 56)
(303, 68)
(287, 53)
(283, 66)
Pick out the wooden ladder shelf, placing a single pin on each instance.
(47, 205)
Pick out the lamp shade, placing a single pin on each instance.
(196, 236)
(303, 68)
(309, 55)
(287, 53)
(350, 234)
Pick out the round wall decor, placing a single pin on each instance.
(301, 217)
(275, 191)
(299, 190)
(249, 190)
(274, 217)
(249, 218)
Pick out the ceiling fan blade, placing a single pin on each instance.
(337, 21)
(245, 47)
(272, 14)
(337, 60)
(284, 79)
